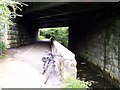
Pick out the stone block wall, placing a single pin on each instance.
(18, 36)
(98, 42)
(101, 48)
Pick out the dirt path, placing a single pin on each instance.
(24, 69)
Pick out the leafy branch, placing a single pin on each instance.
(8, 10)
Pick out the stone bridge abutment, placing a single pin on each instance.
(98, 41)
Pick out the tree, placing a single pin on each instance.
(59, 34)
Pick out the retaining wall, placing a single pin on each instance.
(67, 63)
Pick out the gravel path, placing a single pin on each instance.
(24, 69)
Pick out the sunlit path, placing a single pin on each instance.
(33, 54)
(17, 74)
(24, 69)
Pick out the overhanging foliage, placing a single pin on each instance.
(7, 12)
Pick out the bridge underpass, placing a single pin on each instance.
(93, 31)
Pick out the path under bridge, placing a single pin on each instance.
(23, 69)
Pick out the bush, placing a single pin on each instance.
(75, 83)
(2, 46)
(2, 49)
(58, 34)
(41, 37)
(8, 10)
(2, 56)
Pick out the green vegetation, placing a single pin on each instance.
(2, 48)
(76, 83)
(7, 13)
(58, 34)
(41, 37)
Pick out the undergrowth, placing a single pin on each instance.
(76, 83)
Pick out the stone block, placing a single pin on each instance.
(115, 69)
(110, 61)
(116, 56)
(102, 67)
(119, 75)
(110, 55)
(115, 62)
(101, 63)
(107, 70)
(69, 69)
(112, 74)
(102, 58)
(108, 67)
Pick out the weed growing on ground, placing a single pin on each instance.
(76, 83)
